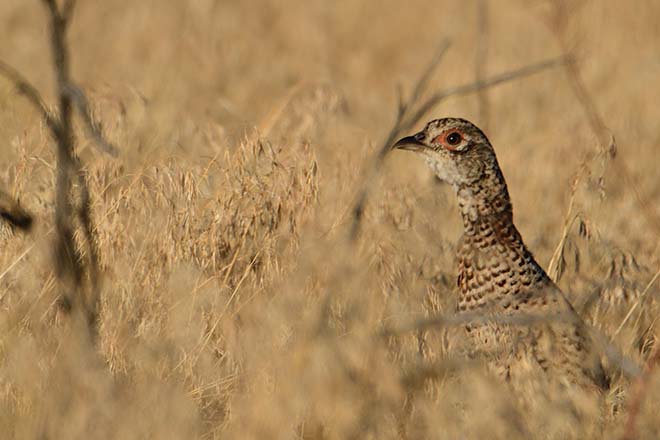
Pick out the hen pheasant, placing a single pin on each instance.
(520, 316)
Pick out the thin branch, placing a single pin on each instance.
(71, 267)
(403, 108)
(558, 23)
(68, 262)
(90, 303)
(407, 118)
(92, 127)
(422, 82)
(73, 92)
(12, 212)
(481, 60)
(67, 258)
(52, 8)
(480, 85)
(67, 11)
(606, 140)
(463, 318)
(30, 92)
(439, 321)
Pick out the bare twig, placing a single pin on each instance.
(476, 318)
(558, 25)
(613, 355)
(588, 106)
(69, 262)
(409, 114)
(12, 212)
(93, 128)
(423, 80)
(481, 61)
(29, 91)
(67, 11)
(88, 229)
(480, 85)
(403, 108)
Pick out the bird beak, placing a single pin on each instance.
(411, 143)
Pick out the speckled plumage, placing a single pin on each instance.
(526, 321)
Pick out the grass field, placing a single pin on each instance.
(233, 303)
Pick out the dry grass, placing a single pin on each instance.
(232, 302)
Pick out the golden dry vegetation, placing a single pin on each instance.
(233, 303)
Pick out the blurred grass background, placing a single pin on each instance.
(233, 306)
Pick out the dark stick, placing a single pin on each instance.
(481, 60)
(68, 261)
(403, 109)
(72, 269)
(480, 85)
(93, 128)
(11, 212)
(558, 24)
(438, 321)
(29, 91)
(406, 118)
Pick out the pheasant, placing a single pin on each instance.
(517, 313)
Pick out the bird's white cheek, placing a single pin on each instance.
(444, 169)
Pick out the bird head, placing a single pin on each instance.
(455, 149)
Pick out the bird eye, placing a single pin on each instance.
(454, 138)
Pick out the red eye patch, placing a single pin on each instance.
(450, 139)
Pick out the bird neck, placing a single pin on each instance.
(485, 204)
